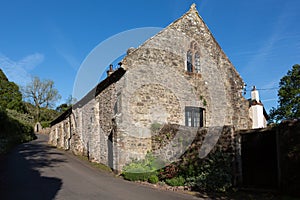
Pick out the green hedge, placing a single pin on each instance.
(176, 181)
(13, 132)
(142, 170)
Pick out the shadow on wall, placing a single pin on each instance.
(20, 177)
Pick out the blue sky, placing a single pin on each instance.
(51, 39)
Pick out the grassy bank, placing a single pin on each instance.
(13, 132)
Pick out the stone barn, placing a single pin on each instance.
(179, 76)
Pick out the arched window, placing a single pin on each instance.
(197, 62)
(193, 58)
(189, 63)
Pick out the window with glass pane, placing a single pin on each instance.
(193, 58)
(189, 62)
(194, 116)
(196, 119)
(189, 119)
(197, 63)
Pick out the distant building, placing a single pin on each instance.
(257, 112)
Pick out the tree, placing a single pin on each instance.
(70, 101)
(10, 96)
(289, 96)
(42, 94)
(62, 108)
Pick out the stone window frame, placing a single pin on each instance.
(92, 115)
(194, 116)
(117, 106)
(193, 58)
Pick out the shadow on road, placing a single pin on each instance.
(20, 172)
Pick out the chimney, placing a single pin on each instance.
(255, 95)
(110, 71)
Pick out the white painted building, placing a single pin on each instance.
(257, 112)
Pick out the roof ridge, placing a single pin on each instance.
(192, 9)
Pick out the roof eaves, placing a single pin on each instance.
(113, 78)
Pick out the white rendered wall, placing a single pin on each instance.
(257, 116)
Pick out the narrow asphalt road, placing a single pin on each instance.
(36, 171)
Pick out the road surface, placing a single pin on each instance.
(36, 171)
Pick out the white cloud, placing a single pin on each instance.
(31, 61)
(64, 47)
(69, 58)
(273, 100)
(269, 48)
(272, 84)
(18, 71)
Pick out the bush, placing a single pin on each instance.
(215, 173)
(142, 170)
(176, 181)
(45, 124)
(47, 115)
(138, 176)
(169, 172)
(190, 181)
(13, 132)
(21, 117)
(211, 174)
(153, 179)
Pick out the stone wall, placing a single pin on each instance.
(173, 141)
(128, 148)
(114, 126)
(184, 146)
(157, 87)
(162, 61)
(86, 129)
(60, 135)
(106, 101)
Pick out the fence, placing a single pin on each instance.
(270, 158)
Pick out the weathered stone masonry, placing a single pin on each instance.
(155, 84)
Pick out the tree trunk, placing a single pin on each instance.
(38, 112)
